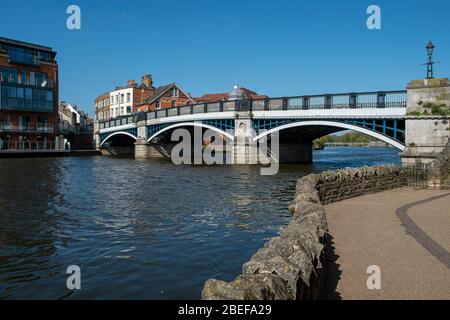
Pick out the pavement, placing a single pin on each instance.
(405, 232)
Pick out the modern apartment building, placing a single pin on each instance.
(28, 96)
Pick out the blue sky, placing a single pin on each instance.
(273, 47)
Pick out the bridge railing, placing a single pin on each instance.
(362, 100)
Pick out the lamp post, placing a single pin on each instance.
(430, 47)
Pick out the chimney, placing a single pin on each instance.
(131, 83)
(147, 81)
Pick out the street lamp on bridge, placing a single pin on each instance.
(430, 47)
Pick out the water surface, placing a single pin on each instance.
(141, 229)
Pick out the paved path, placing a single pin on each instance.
(404, 232)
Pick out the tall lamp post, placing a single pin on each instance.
(430, 47)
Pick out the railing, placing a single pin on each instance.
(26, 145)
(27, 127)
(364, 100)
(67, 128)
(418, 175)
(22, 58)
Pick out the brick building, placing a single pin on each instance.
(28, 96)
(123, 100)
(166, 97)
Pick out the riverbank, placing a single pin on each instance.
(48, 153)
(293, 265)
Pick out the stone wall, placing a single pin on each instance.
(292, 265)
(439, 172)
(349, 183)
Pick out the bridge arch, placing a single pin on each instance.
(118, 133)
(335, 124)
(192, 124)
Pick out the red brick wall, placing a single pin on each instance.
(52, 74)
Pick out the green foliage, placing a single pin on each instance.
(350, 137)
(414, 113)
(431, 108)
(441, 110)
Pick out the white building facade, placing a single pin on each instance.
(121, 102)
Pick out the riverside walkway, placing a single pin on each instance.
(404, 232)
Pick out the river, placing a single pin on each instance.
(141, 229)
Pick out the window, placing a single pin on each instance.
(42, 119)
(32, 78)
(23, 77)
(121, 98)
(128, 97)
(28, 94)
(175, 92)
(128, 109)
(157, 104)
(41, 79)
(49, 96)
(20, 93)
(8, 75)
(174, 103)
(12, 92)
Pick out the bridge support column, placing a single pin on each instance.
(141, 149)
(426, 126)
(96, 135)
(244, 150)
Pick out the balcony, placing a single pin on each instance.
(27, 128)
(5, 127)
(22, 58)
(26, 145)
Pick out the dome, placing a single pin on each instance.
(236, 93)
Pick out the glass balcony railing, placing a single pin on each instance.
(26, 145)
(27, 127)
(22, 58)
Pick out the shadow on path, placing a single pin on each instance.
(419, 235)
(332, 270)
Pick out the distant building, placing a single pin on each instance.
(237, 93)
(124, 100)
(165, 97)
(29, 96)
(76, 127)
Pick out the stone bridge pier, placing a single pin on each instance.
(427, 136)
(247, 151)
(427, 120)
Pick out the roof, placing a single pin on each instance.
(26, 44)
(160, 91)
(246, 93)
